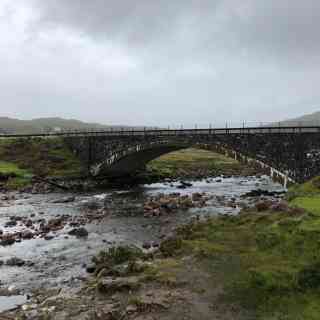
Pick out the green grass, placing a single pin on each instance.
(193, 162)
(269, 263)
(19, 178)
(310, 188)
(46, 157)
(43, 157)
(311, 204)
(12, 168)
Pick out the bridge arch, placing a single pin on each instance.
(131, 162)
(294, 153)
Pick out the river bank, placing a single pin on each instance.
(52, 257)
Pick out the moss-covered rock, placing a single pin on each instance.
(113, 259)
(170, 246)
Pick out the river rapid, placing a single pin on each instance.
(113, 217)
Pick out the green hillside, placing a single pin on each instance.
(44, 124)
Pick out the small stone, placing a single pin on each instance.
(48, 237)
(79, 232)
(146, 246)
(64, 200)
(91, 268)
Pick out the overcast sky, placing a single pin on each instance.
(159, 62)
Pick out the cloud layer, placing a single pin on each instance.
(160, 62)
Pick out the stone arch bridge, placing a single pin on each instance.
(292, 152)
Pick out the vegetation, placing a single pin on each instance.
(267, 262)
(194, 163)
(306, 195)
(22, 158)
(110, 258)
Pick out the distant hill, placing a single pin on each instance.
(45, 125)
(312, 119)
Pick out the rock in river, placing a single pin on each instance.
(79, 232)
(64, 200)
(7, 240)
(15, 262)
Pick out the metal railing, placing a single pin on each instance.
(229, 128)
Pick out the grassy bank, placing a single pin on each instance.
(195, 163)
(22, 158)
(267, 263)
(262, 266)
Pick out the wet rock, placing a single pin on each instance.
(64, 200)
(263, 205)
(91, 268)
(27, 235)
(184, 185)
(7, 240)
(10, 224)
(282, 206)
(48, 237)
(146, 245)
(56, 223)
(259, 193)
(28, 223)
(197, 196)
(155, 244)
(165, 204)
(119, 284)
(15, 262)
(79, 232)
(1, 263)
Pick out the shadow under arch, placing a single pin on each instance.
(137, 161)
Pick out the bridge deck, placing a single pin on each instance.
(173, 132)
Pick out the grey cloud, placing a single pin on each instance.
(286, 27)
(160, 62)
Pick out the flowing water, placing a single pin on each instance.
(60, 262)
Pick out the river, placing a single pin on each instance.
(61, 261)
